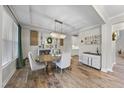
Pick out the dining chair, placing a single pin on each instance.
(64, 62)
(35, 65)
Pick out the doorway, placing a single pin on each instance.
(118, 50)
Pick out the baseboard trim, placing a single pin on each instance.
(110, 70)
(6, 81)
(104, 70)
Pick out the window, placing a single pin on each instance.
(15, 41)
(9, 39)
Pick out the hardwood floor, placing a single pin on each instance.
(119, 68)
(80, 76)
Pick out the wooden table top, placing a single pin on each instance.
(48, 58)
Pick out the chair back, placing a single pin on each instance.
(34, 52)
(66, 59)
(32, 62)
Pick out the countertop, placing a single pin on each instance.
(91, 53)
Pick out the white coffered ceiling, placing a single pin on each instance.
(74, 17)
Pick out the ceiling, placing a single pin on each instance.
(114, 10)
(74, 17)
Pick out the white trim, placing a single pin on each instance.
(10, 13)
(91, 27)
(9, 76)
(104, 70)
(101, 12)
(110, 70)
(1, 15)
(114, 63)
(87, 28)
(39, 28)
(7, 63)
(120, 15)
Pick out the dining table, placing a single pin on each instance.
(48, 60)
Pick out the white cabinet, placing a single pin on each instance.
(91, 60)
(84, 59)
(96, 62)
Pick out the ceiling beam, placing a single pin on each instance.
(39, 28)
(117, 19)
(32, 27)
(30, 14)
(101, 12)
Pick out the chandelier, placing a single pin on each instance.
(58, 30)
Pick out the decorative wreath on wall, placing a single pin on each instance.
(49, 40)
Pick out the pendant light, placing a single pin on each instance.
(58, 32)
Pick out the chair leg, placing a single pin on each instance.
(56, 67)
(70, 68)
(45, 69)
(61, 71)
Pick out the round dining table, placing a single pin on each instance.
(49, 59)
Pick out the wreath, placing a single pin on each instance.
(49, 40)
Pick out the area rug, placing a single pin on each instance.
(53, 82)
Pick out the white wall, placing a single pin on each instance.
(75, 45)
(88, 48)
(0, 45)
(26, 47)
(67, 44)
(120, 41)
(26, 42)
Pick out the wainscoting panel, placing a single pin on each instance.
(7, 71)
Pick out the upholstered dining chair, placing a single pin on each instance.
(35, 65)
(65, 61)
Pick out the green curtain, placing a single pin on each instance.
(20, 62)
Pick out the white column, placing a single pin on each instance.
(0, 46)
(106, 39)
(107, 47)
